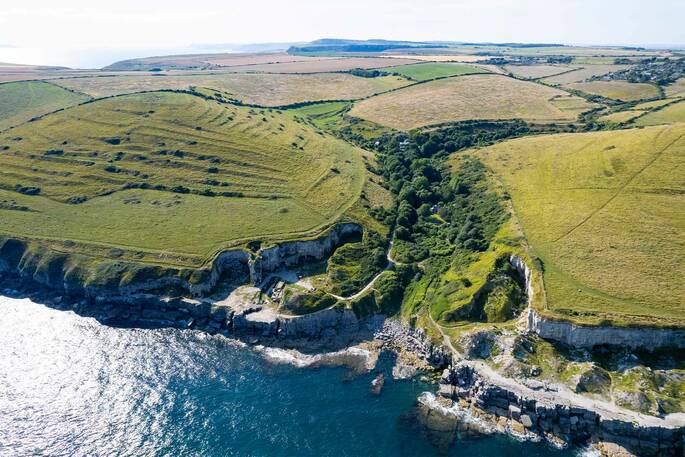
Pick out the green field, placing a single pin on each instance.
(173, 174)
(492, 97)
(667, 115)
(620, 117)
(677, 89)
(22, 101)
(427, 71)
(617, 90)
(538, 71)
(605, 214)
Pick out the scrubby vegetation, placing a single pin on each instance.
(446, 220)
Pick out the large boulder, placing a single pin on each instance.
(478, 345)
(637, 401)
(592, 379)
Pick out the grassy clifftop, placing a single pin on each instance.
(604, 213)
(171, 178)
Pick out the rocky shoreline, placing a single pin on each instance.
(470, 387)
(466, 385)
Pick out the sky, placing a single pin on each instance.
(93, 33)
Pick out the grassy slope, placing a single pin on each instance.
(467, 97)
(426, 71)
(605, 214)
(620, 116)
(618, 90)
(677, 89)
(538, 71)
(293, 179)
(22, 101)
(585, 72)
(260, 89)
(667, 115)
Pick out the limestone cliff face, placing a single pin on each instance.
(76, 274)
(587, 336)
(294, 252)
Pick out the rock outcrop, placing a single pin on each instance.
(79, 275)
(549, 413)
(587, 336)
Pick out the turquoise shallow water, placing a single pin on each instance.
(72, 387)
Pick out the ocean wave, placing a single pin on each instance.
(356, 358)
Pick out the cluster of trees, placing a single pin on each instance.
(439, 213)
(363, 73)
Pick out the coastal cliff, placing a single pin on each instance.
(80, 275)
(586, 336)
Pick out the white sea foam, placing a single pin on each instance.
(352, 356)
(464, 415)
(589, 451)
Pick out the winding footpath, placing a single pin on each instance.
(391, 264)
(559, 393)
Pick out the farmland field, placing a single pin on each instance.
(426, 71)
(621, 116)
(605, 214)
(440, 57)
(22, 101)
(617, 90)
(538, 71)
(203, 61)
(677, 89)
(261, 89)
(463, 98)
(325, 65)
(174, 173)
(583, 73)
(667, 115)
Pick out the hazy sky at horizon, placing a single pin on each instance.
(94, 33)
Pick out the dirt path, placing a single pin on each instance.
(559, 393)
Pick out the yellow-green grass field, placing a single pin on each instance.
(427, 71)
(260, 89)
(173, 173)
(677, 89)
(572, 104)
(617, 90)
(583, 73)
(620, 117)
(605, 214)
(653, 104)
(667, 115)
(538, 71)
(467, 97)
(325, 65)
(22, 101)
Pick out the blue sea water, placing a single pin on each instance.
(70, 386)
